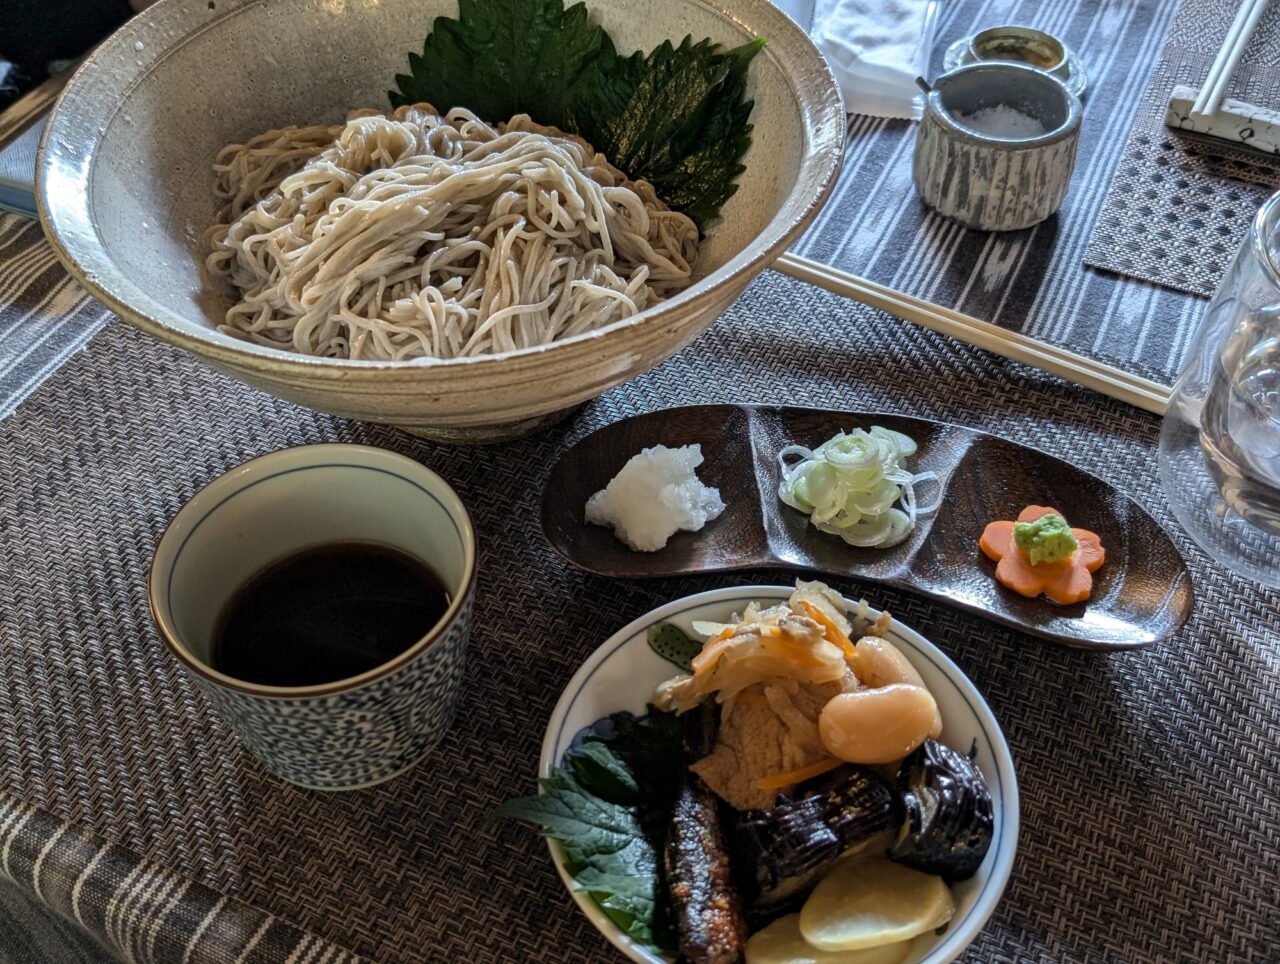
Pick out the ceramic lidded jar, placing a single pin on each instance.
(996, 146)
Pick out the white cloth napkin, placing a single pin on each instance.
(876, 49)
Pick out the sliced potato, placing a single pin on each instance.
(864, 904)
(782, 943)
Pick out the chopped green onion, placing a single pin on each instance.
(850, 485)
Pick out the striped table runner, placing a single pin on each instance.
(44, 315)
(1031, 281)
(140, 910)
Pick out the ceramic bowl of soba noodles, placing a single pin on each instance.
(231, 177)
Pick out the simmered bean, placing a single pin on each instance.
(878, 725)
(877, 662)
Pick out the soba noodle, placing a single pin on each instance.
(411, 235)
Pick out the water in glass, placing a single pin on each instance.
(1220, 444)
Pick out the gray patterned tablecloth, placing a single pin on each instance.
(1151, 810)
(1151, 828)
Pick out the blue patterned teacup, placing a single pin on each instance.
(353, 732)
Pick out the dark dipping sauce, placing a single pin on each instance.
(327, 613)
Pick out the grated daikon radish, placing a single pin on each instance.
(656, 495)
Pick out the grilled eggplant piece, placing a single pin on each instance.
(785, 851)
(948, 825)
(709, 919)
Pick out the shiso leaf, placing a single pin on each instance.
(507, 57)
(674, 645)
(605, 849)
(652, 748)
(684, 128)
(676, 117)
(586, 825)
(628, 895)
(607, 805)
(598, 770)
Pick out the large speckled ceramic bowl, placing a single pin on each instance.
(124, 189)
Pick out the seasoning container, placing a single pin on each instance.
(996, 146)
(1016, 43)
(1025, 44)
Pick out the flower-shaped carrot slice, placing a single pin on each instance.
(1067, 581)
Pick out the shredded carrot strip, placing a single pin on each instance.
(830, 629)
(788, 648)
(776, 781)
(711, 650)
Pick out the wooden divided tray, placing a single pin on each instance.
(1140, 597)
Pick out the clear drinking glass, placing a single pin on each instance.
(1220, 443)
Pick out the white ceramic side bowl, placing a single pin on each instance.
(124, 189)
(622, 673)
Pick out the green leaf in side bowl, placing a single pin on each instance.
(608, 805)
(674, 645)
(605, 848)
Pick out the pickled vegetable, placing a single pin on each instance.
(674, 645)
(868, 903)
(783, 852)
(782, 943)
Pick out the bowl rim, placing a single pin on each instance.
(989, 897)
(938, 111)
(263, 468)
(66, 165)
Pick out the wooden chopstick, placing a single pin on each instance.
(1141, 392)
(1224, 65)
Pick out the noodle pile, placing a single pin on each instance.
(409, 235)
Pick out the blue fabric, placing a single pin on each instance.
(18, 171)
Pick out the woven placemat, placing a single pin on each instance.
(1179, 203)
(1148, 779)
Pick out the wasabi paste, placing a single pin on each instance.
(1048, 539)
